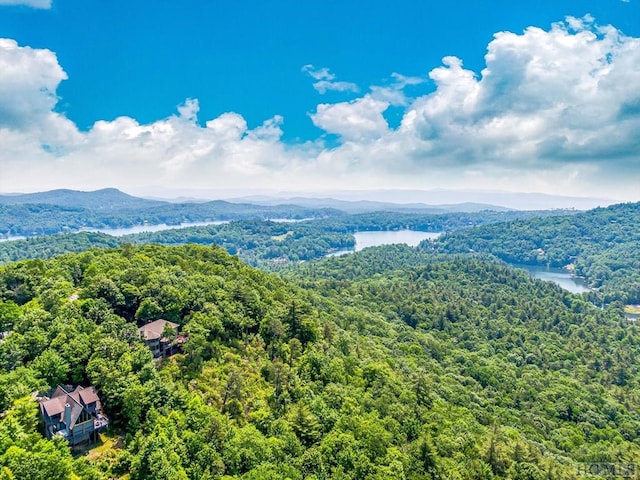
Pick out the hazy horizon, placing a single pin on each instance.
(434, 197)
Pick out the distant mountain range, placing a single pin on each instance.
(443, 200)
(407, 201)
(114, 199)
(365, 206)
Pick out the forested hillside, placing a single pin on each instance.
(33, 219)
(450, 367)
(60, 211)
(104, 199)
(262, 243)
(48, 246)
(603, 245)
(257, 242)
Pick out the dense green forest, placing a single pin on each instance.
(385, 364)
(47, 246)
(263, 243)
(44, 219)
(602, 245)
(444, 222)
(256, 242)
(104, 199)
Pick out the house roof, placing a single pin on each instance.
(76, 400)
(58, 402)
(88, 395)
(52, 406)
(153, 330)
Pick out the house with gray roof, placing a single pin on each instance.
(74, 414)
(162, 337)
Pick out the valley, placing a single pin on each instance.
(420, 354)
(319, 240)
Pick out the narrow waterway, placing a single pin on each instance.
(559, 276)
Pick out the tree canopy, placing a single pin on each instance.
(389, 363)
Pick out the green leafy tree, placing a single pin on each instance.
(51, 367)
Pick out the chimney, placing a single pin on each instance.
(67, 416)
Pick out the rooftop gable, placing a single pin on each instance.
(153, 330)
(88, 395)
(52, 406)
(75, 399)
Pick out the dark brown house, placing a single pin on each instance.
(74, 414)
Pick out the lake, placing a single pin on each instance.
(120, 232)
(376, 238)
(559, 276)
(11, 238)
(632, 317)
(289, 220)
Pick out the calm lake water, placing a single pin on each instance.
(289, 220)
(120, 232)
(383, 237)
(559, 276)
(632, 317)
(11, 238)
(377, 238)
(412, 238)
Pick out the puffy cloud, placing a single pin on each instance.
(42, 4)
(559, 106)
(42, 149)
(189, 110)
(360, 119)
(28, 82)
(554, 110)
(326, 80)
(544, 99)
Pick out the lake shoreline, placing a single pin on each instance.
(561, 276)
(376, 238)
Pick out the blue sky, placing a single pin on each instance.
(213, 97)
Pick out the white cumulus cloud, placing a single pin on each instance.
(555, 111)
(560, 106)
(28, 81)
(42, 149)
(544, 97)
(358, 120)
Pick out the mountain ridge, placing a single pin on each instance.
(364, 206)
(103, 199)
